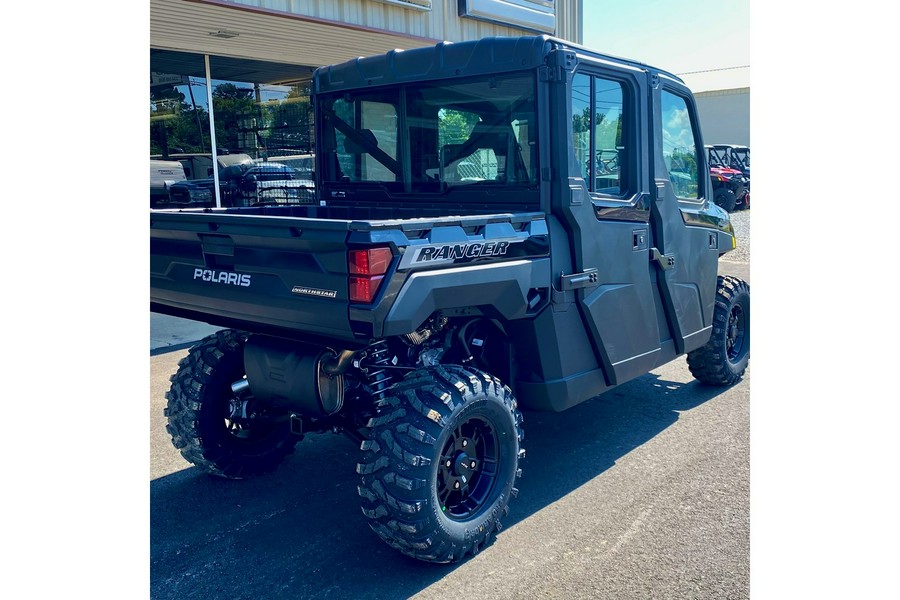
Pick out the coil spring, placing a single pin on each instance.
(377, 378)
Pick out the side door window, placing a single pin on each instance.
(600, 134)
(679, 147)
(581, 123)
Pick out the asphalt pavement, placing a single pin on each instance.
(642, 492)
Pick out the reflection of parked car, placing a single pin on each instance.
(304, 164)
(199, 165)
(250, 183)
(606, 169)
(196, 166)
(163, 175)
(275, 183)
(197, 190)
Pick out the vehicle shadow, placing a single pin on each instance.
(299, 532)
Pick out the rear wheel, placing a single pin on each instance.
(724, 358)
(438, 469)
(220, 431)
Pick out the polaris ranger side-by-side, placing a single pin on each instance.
(466, 258)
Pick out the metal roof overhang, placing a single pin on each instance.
(270, 47)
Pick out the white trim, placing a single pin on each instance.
(212, 132)
(535, 15)
(411, 4)
(729, 92)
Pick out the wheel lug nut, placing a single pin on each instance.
(449, 464)
(472, 464)
(465, 443)
(455, 485)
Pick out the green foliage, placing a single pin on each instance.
(455, 126)
(287, 124)
(581, 123)
(242, 124)
(608, 134)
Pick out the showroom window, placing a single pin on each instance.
(263, 131)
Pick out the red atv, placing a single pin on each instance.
(731, 189)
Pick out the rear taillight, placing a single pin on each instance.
(367, 269)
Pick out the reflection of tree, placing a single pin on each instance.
(682, 166)
(582, 122)
(609, 132)
(455, 126)
(288, 122)
(684, 160)
(233, 107)
(176, 126)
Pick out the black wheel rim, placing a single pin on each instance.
(735, 333)
(469, 467)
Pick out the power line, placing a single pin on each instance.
(714, 70)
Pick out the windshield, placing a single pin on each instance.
(433, 138)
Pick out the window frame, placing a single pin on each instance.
(699, 150)
(408, 192)
(628, 204)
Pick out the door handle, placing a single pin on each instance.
(665, 261)
(574, 281)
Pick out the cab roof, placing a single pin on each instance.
(447, 60)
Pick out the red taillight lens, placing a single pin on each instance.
(363, 289)
(374, 261)
(367, 269)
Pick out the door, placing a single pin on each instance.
(607, 212)
(686, 257)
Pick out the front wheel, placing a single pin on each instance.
(438, 469)
(725, 199)
(724, 358)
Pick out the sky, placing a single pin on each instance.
(705, 42)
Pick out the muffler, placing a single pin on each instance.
(295, 376)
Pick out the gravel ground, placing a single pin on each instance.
(741, 221)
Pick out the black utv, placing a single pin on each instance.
(501, 225)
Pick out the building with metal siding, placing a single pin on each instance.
(723, 103)
(317, 32)
(725, 116)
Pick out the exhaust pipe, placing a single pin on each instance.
(304, 379)
(339, 363)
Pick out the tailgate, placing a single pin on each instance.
(279, 272)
